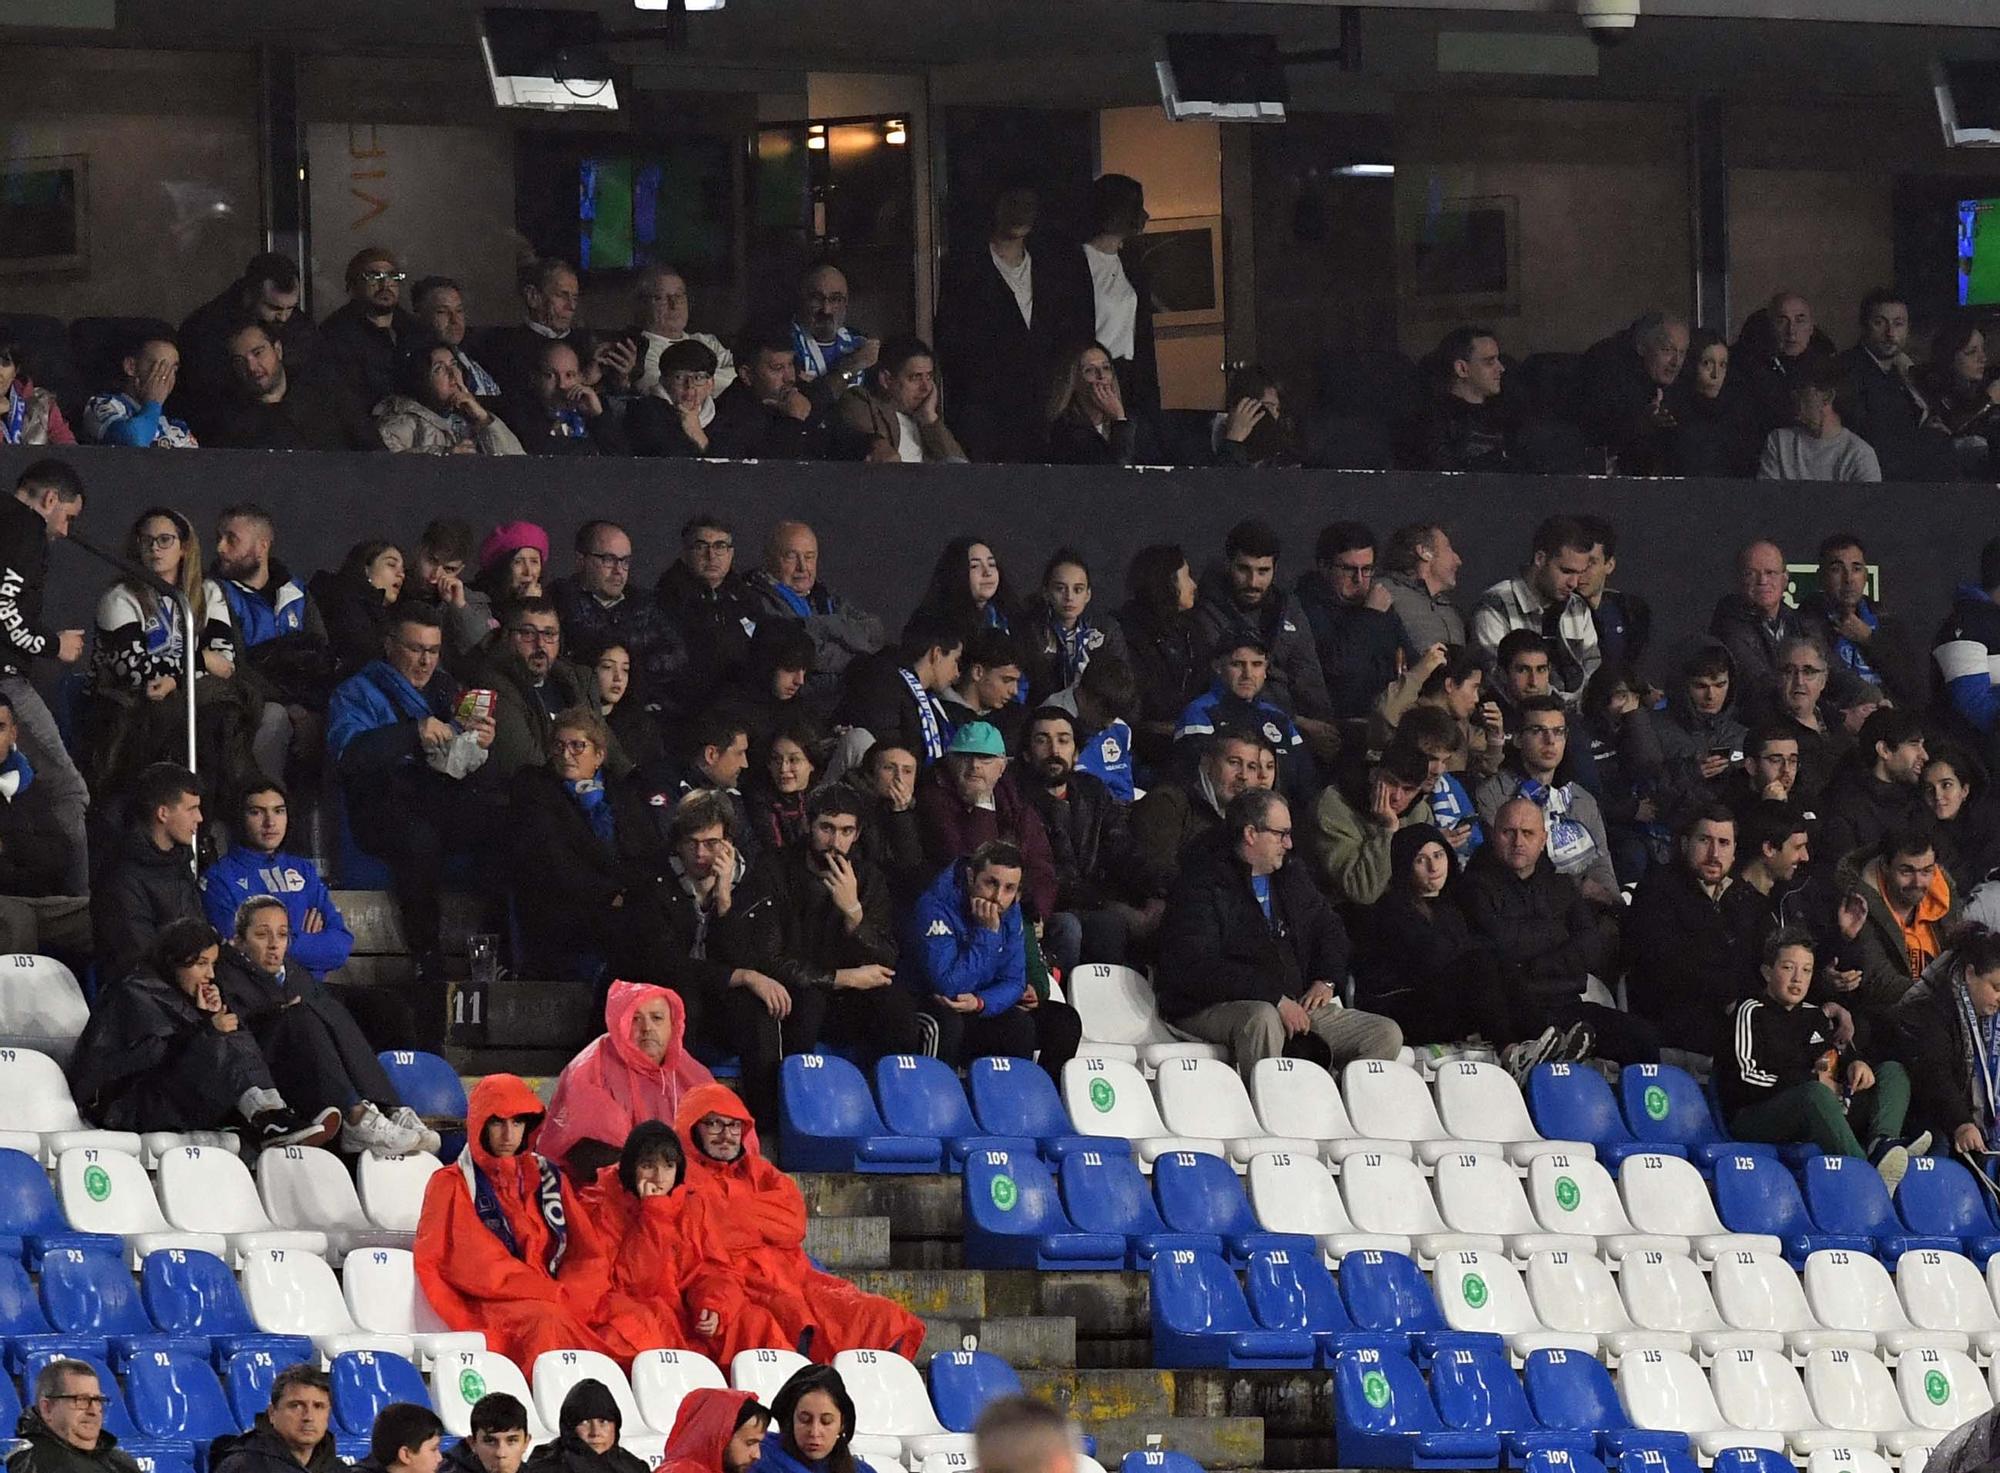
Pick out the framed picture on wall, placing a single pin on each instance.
(44, 214)
(1182, 260)
(1466, 254)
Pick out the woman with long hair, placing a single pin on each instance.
(1948, 1036)
(1254, 430)
(1715, 421)
(1418, 960)
(1958, 792)
(635, 734)
(1964, 402)
(969, 587)
(1087, 419)
(1064, 636)
(1162, 643)
(787, 767)
(355, 598)
(812, 1425)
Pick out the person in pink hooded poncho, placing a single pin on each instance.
(639, 1070)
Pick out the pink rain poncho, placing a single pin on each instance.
(611, 1086)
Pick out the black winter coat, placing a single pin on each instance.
(715, 624)
(24, 563)
(1357, 645)
(565, 877)
(1688, 957)
(34, 851)
(141, 1029)
(1406, 946)
(1929, 1039)
(787, 922)
(357, 618)
(1088, 837)
(44, 1452)
(261, 1450)
(1216, 945)
(875, 697)
(1547, 936)
(141, 890)
(1858, 809)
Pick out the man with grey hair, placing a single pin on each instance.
(294, 1436)
(1628, 391)
(660, 299)
(1776, 351)
(63, 1432)
(788, 586)
(1018, 1434)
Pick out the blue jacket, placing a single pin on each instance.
(257, 618)
(1964, 651)
(774, 1459)
(1216, 707)
(951, 955)
(371, 720)
(291, 878)
(1107, 756)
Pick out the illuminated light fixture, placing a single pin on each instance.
(1366, 171)
(816, 136)
(679, 4)
(896, 133)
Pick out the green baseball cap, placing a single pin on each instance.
(977, 739)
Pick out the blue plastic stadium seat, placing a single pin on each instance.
(153, 1458)
(964, 1381)
(1751, 1460)
(1571, 1392)
(174, 1395)
(117, 1416)
(1571, 1102)
(85, 1293)
(1657, 1460)
(829, 1122)
(1200, 1319)
(922, 1097)
(1938, 1197)
(193, 1295)
(1295, 1291)
(1199, 1193)
(1757, 1194)
(24, 1324)
(352, 1449)
(1383, 1418)
(10, 1403)
(1387, 1294)
(1158, 1460)
(1014, 1219)
(1106, 1192)
(1665, 1107)
(1845, 1194)
(429, 1085)
(1560, 1460)
(365, 1381)
(247, 1377)
(1476, 1390)
(31, 1219)
(1012, 1097)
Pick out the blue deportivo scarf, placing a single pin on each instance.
(477, 378)
(17, 411)
(815, 357)
(590, 796)
(548, 1201)
(16, 766)
(927, 716)
(1569, 841)
(1073, 648)
(798, 603)
(572, 423)
(1850, 654)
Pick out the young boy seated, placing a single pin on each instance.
(1702, 735)
(499, 1439)
(405, 1439)
(1775, 1081)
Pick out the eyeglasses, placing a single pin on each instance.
(575, 748)
(1807, 671)
(1282, 835)
(376, 278)
(422, 651)
(158, 540)
(550, 637)
(610, 559)
(712, 544)
(720, 1125)
(1353, 570)
(87, 1401)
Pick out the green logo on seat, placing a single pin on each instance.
(1656, 1102)
(1375, 1389)
(1102, 1095)
(471, 1386)
(97, 1183)
(1567, 1193)
(1474, 1289)
(1937, 1388)
(1005, 1193)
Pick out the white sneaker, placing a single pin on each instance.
(427, 1139)
(1894, 1165)
(376, 1132)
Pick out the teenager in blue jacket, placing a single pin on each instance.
(260, 865)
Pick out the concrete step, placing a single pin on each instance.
(920, 1206)
(844, 1244)
(1092, 1396)
(1291, 1403)
(378, 929)
(1024, 1341)
(948, 1294)
(1213, 1442)
(1103, 1303)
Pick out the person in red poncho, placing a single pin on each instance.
(639, 1069)
(748, 1219)
(716, 1431)
(501, 1245)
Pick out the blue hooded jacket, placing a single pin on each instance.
(1964, 653)
(952, 954)
(292, 879)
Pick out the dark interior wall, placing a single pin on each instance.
(881, 527)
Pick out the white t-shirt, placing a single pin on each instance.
(910, 446)
(1020, 281)
(652, 345)
(1117, 302)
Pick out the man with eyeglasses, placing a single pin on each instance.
(711, 603)
(660, 303)
(789, 586)
(364, 335)
(598, 608)
(1357, 636)
(1251, 954)
(679, 419)
(268, 293)
(1753, 621)
(535, 684)
(416, 792)
(1897, 905)
(63, 1431)
(831, 357)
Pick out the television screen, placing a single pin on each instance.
(635, 209)
(1978, 252)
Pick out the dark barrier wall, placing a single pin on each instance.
(881, 526)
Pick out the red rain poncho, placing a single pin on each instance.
(468, 1273)
(748, 1220)
(702, 1430)
(610, 1087)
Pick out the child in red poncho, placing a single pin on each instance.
(748, 1220)
(716, 1431)
(501, 1245)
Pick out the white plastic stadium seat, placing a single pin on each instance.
(1940, 1389)
(1666, 1195)
(1574, 1194)
(1297, 1194)
(1852, 1390)
(1120, 1020)
(1760, 1390)
(1389, 1099)
(1206, 1097)
(1943, 1291)
(1852, 1291)
(1760, 1291)
(1845, 1459)
(307, 1187)
(41, 1006)
(296, 1294)
(38, 1100)
(1665, 1391)
(1575, 1293)
(556, 1371)
(109, 1192)
(1387, 1194)
(1481, 1293)
(1110, 1098)
(203, 1190)
(763, 1372)
(153, 1144)
(1299, 1097)
(1482, 1194)
(949, 1463)
(661, 1380)
(1478, 1101)
(462, 1377)
(1666, 1291)
(392, 1188)
(890, 1402)
(382, 1293)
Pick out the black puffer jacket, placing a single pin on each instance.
(1547, 936)
(1088, 837)
(261, 1450)
(141, 890)
(1217, 946)
(47, 1453)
